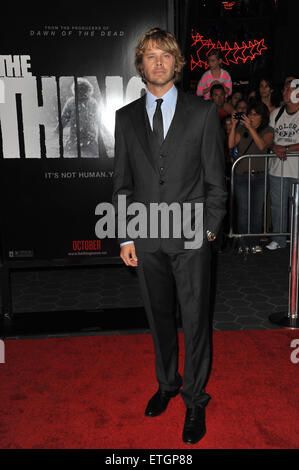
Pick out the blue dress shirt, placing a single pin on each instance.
(167, 107)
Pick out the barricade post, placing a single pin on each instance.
(291, 319)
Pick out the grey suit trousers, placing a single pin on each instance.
(183, 276)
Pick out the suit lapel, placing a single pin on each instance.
(138, 117)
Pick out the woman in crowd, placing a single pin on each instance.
(253, 137)
(266, 93)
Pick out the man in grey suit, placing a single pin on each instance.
(168, 149)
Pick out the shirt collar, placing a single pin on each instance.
(169, 98)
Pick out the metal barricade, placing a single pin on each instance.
(264, 233)
(289, 320)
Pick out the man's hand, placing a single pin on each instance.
(128, 254)
(280, 151)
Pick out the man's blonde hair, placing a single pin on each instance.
(165, 41)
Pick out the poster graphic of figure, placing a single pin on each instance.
(88, 115)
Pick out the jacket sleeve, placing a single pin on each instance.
(214, 171)
(122, 181)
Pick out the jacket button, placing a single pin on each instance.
(161, 168)
(161, 182)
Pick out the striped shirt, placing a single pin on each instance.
(207, 78)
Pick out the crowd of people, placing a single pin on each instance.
(260, 121)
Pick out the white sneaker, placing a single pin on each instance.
(273, 246)
(256, 249)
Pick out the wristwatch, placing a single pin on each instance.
(211, 236)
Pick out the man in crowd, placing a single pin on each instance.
(285, 121)
(218, 97)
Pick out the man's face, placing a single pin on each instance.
(288, 80)
(158, 65)
(286, 93)
(218, 97)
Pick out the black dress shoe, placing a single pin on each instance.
(195, 426)
(158, 403)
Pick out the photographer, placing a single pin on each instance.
(254, 137)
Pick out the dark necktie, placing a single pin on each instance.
(158, 123)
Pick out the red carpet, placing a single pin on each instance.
(91, 392)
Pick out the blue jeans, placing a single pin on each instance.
(275, 193)
(257, 189)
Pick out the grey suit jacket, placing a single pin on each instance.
(191, 156)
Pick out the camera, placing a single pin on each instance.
(239, 116)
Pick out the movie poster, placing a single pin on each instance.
(63, 73)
